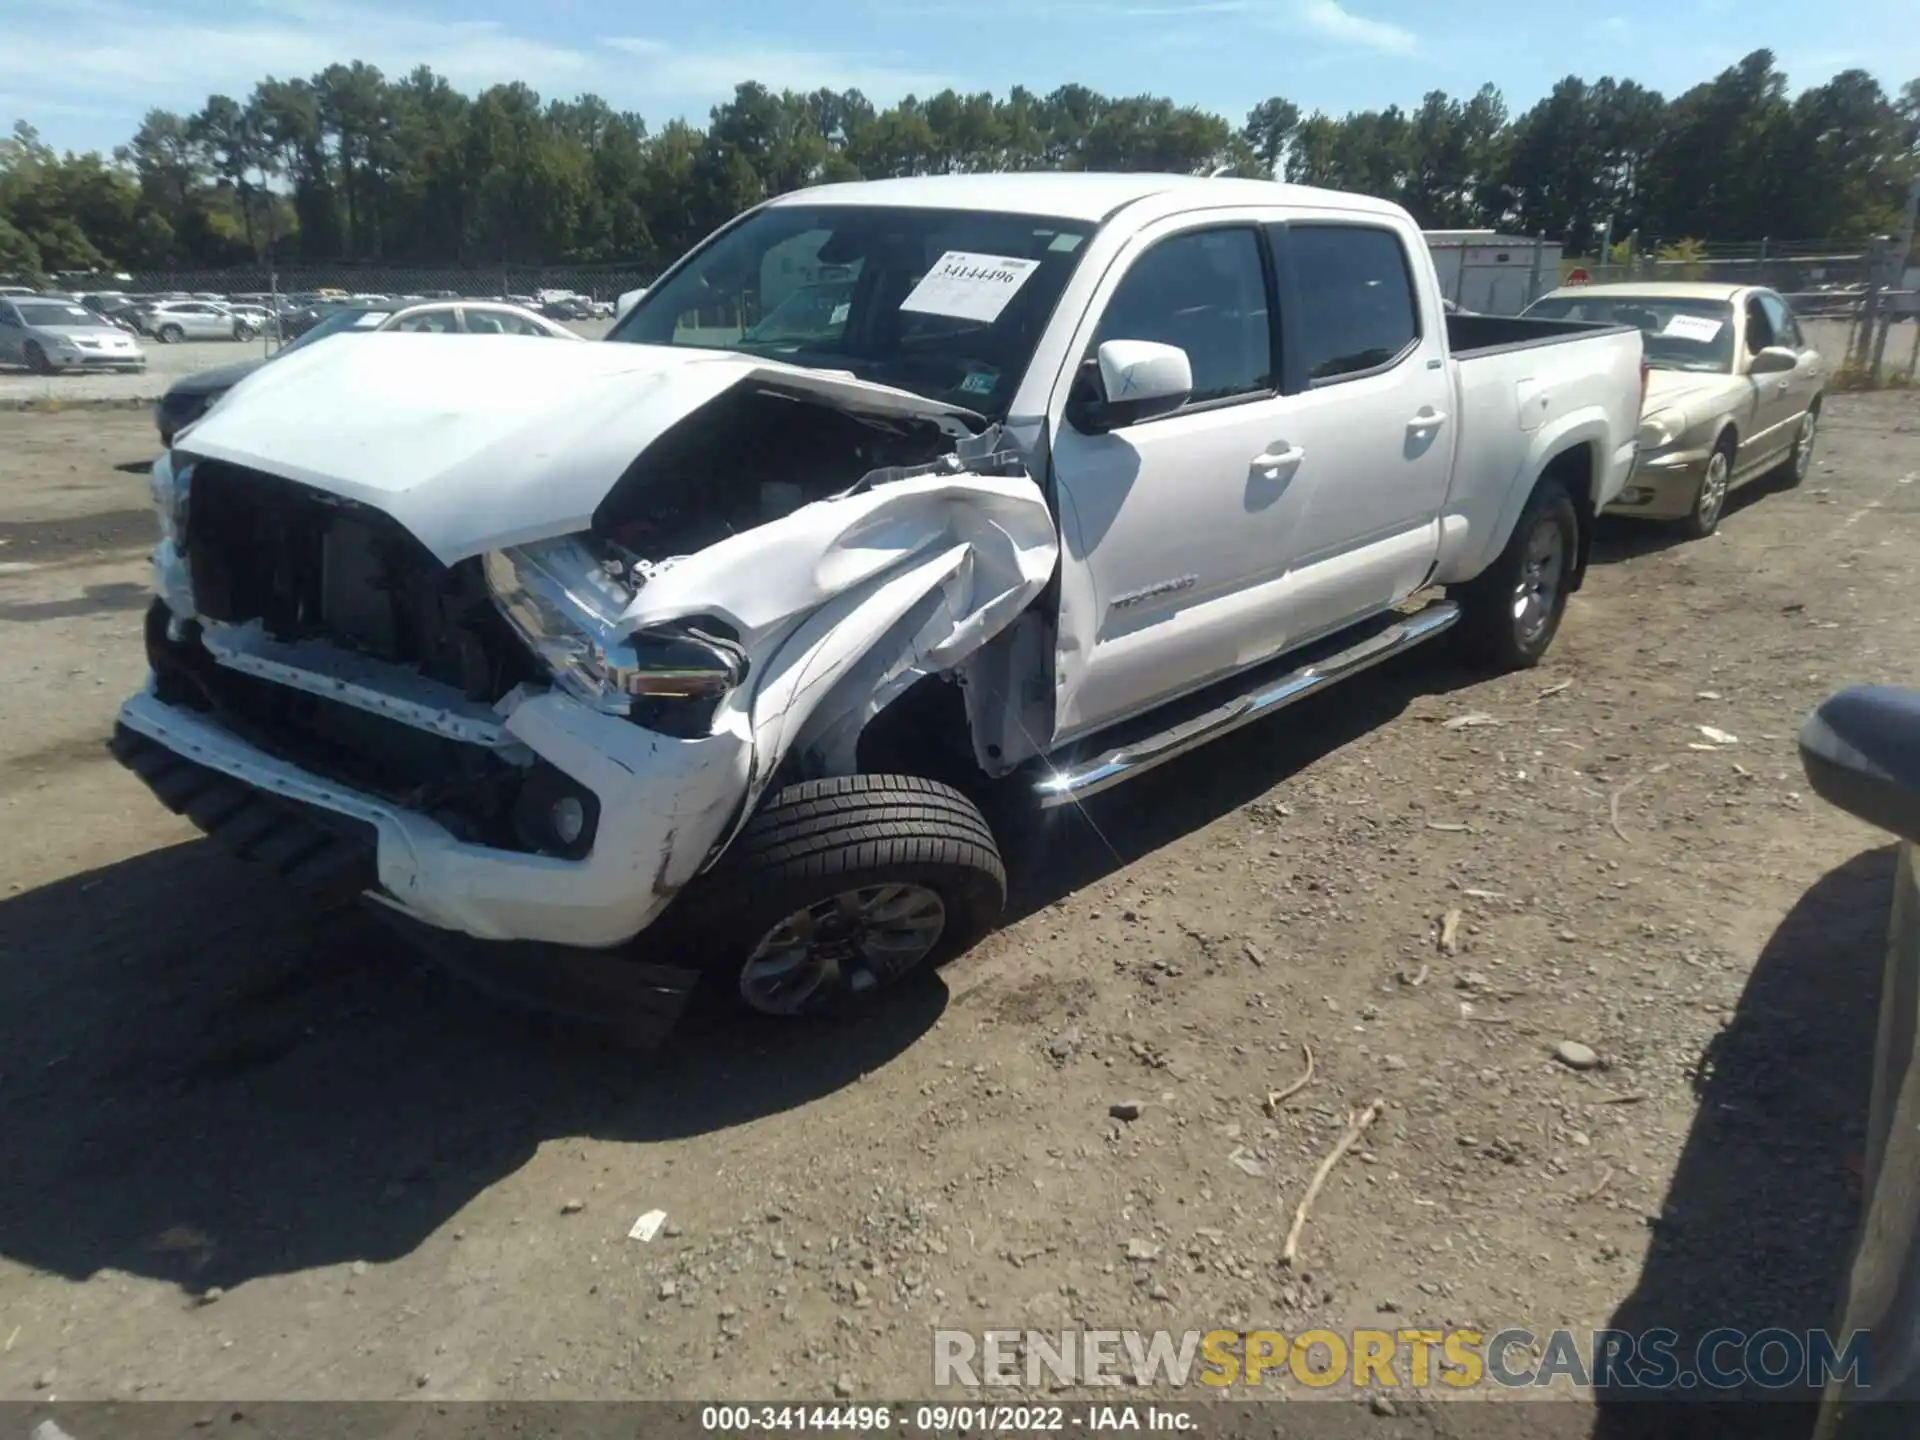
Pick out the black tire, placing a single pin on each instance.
(1799, 462)
(894, 837)
(169, 334)
(1492, 632)
(1708, 507)
(37, 360)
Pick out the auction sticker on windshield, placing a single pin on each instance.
(1692, 327)
(966, 286)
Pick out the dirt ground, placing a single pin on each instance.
(250, 1152)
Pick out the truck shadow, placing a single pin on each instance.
(1757, 1227)
(1050, 854)
(205, 1081)
(1620, 537)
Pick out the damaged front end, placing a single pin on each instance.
(536, 688)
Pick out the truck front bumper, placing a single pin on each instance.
(1663, 486)
(662, 803)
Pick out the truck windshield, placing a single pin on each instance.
(947, 303)
(1677, 332)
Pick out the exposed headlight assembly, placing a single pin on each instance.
(171, 481)
(565, 599)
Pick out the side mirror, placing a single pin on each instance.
(627, 301)
(1861, 752)
(1774, 360)
(1128, 381)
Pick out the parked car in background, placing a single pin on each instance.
(689, 626)
(49, 335)
(1735, 391)
(297, 322)
(172, 321)
(190, 397)
(567, 307)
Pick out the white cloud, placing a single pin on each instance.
(111, 60)
(1333, 21)
(669, 70)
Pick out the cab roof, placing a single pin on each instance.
(1089, 196)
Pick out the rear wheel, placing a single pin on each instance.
(1800, 460)
(170, 335)
(838, 889)
(37, 360)
(1510, 613)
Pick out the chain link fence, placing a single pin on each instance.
(467, 282)
(1854, 301)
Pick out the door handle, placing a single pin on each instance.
(1280, 457)
(1428, 419)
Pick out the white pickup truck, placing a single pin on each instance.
(721, 635)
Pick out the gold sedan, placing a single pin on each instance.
(1733, 392)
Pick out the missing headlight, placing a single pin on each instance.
(566, 599)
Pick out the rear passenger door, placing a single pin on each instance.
(1367, 400)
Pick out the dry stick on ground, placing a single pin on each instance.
(1450, 932)
(1277, 1098)
(1355, 1129)
(1613, 807)
(1594, 1193)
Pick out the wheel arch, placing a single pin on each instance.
(1579, 469)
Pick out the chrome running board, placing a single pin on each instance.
(1062, 785)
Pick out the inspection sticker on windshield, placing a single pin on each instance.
(965, 286)
(1692, 327)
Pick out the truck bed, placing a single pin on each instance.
(1470, 337)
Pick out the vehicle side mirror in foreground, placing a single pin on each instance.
(1774, 360)
(627, 301)
(1128, 381)
(1861, 752)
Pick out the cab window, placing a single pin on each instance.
(1206, 292)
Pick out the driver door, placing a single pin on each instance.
(1173, 528)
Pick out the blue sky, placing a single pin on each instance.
(83, 71)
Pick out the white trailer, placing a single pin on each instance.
(1494, 274)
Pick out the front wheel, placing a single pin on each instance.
(838, 889)
(1510, 612)
(1710, 500)
(37, 360)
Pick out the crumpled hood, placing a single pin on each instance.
(1686, 391)
(474, 442)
